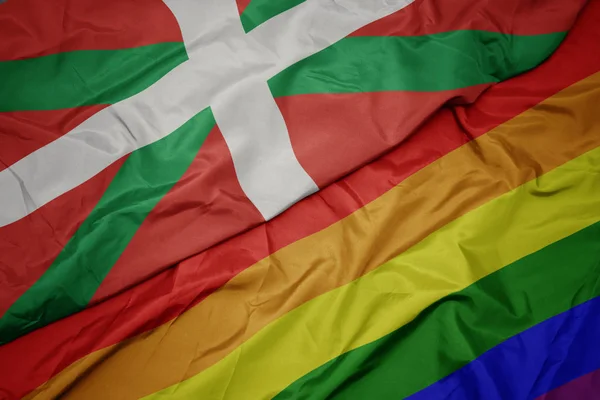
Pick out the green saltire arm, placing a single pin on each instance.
(442, 61)
(258, 11)
(75, 275)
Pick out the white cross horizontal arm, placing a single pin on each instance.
(221, 59)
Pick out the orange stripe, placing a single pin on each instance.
(167, 295)
(539, 140)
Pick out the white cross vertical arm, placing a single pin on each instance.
(257, 137)
(247, 115)
(222, 58)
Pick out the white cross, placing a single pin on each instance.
(227, 70)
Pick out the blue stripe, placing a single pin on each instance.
(530, 364)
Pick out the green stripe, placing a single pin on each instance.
(460, 327)
(443, 61)
(85, 77)
(258, 11)
(75, 275)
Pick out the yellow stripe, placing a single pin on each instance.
(554, 132)
(500, 232)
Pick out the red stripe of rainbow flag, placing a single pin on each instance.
(27, 298)
(587, 60)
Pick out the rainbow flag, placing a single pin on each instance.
(300, 199)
